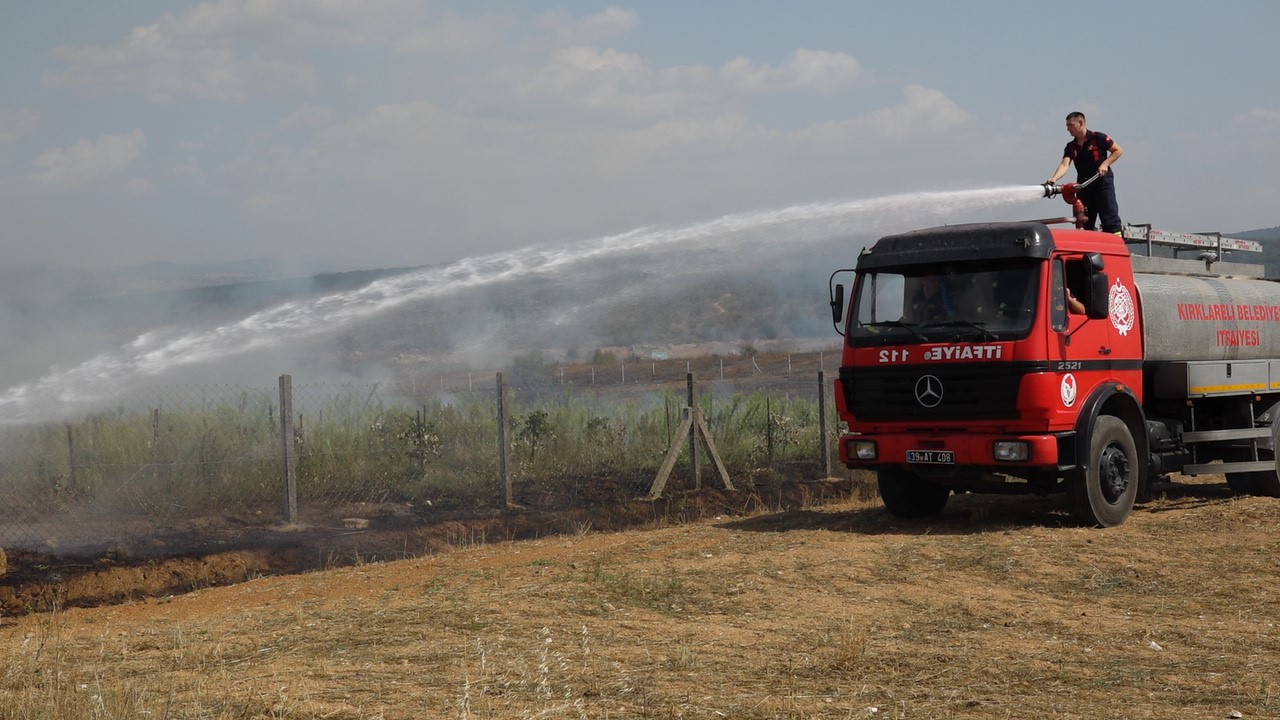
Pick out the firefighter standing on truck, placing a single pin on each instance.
(1093, 154)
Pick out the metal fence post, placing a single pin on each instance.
(287, 450)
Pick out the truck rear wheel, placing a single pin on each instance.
(909, 496)
(1103, 495)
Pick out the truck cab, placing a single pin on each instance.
(1000, 357)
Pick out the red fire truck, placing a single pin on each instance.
(1020, 358)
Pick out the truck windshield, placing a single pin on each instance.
(980, 301)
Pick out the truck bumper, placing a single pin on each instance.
(972, 450)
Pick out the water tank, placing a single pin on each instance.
(1188, 318)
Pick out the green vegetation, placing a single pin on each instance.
(224, 453)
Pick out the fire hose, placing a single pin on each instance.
(1070, 194)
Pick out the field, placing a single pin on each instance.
(1001, 608)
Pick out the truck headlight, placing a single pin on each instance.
(862, 449)
(1012, 451)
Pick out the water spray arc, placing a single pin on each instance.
(151, 355)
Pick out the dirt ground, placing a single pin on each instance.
(228, 549)
(824, 608)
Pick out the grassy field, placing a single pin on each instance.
(999, 609)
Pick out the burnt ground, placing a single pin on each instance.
(230, 549)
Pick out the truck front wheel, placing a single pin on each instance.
(909, 496)
(1104, 493)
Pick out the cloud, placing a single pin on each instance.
(923, 112)
(306, 115)
(15, 124)
(84, 162)
(612, 81)
(160, 66)
(609, 81)
(457, 35)
(570, 30)
(228, 51)
(296, 23)
(1259, 118)
(816, 70)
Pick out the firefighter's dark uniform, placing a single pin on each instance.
(1100, 196)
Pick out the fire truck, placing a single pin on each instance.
(1026, 357)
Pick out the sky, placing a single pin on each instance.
(377, 133)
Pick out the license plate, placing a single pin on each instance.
(931, 457)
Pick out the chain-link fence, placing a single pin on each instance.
(179, 468)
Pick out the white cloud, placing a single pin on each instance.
(189, 168)
(293, 23)
(570, 30)
(456, 35)
(139, 186)
(15, 124)
(85, 161)
(306, 115)
(159, 66)
(924, 112)
(817, 70)
(1259, 117)
(229, 50)
(608, 80)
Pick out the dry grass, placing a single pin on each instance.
(1000, 609)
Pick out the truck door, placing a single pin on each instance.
(1083, 346)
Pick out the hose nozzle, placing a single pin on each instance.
(1068, 191)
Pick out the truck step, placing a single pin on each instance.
(1220, 435)
(1235, 467)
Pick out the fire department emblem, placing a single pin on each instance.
(1068, 389)
(1120, 308)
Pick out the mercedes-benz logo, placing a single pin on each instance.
(929, 391)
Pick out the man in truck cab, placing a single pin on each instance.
(1093, 153)
(933, 300)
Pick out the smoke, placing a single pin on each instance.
(584, 278)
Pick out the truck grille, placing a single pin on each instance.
(968, 391)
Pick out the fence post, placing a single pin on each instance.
(155, 442)
(504, 446)
(71, 458)
(822, 423)
(694, 460)
(421, 430)
(287, 450)
(768, 430)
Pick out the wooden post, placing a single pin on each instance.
(290, 508)
(695, 426)
(768, 431)
(701, 425)
(71, 458)
(673, 453)
(421, 430)
(695, 462)
(822, 423)
(504, 445)
(155, 440)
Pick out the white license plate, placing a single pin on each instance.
(931, 457)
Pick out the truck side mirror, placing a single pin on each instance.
(837, 305)
(1099, 295)
(1094, 262)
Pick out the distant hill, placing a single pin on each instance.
(1263, 234)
